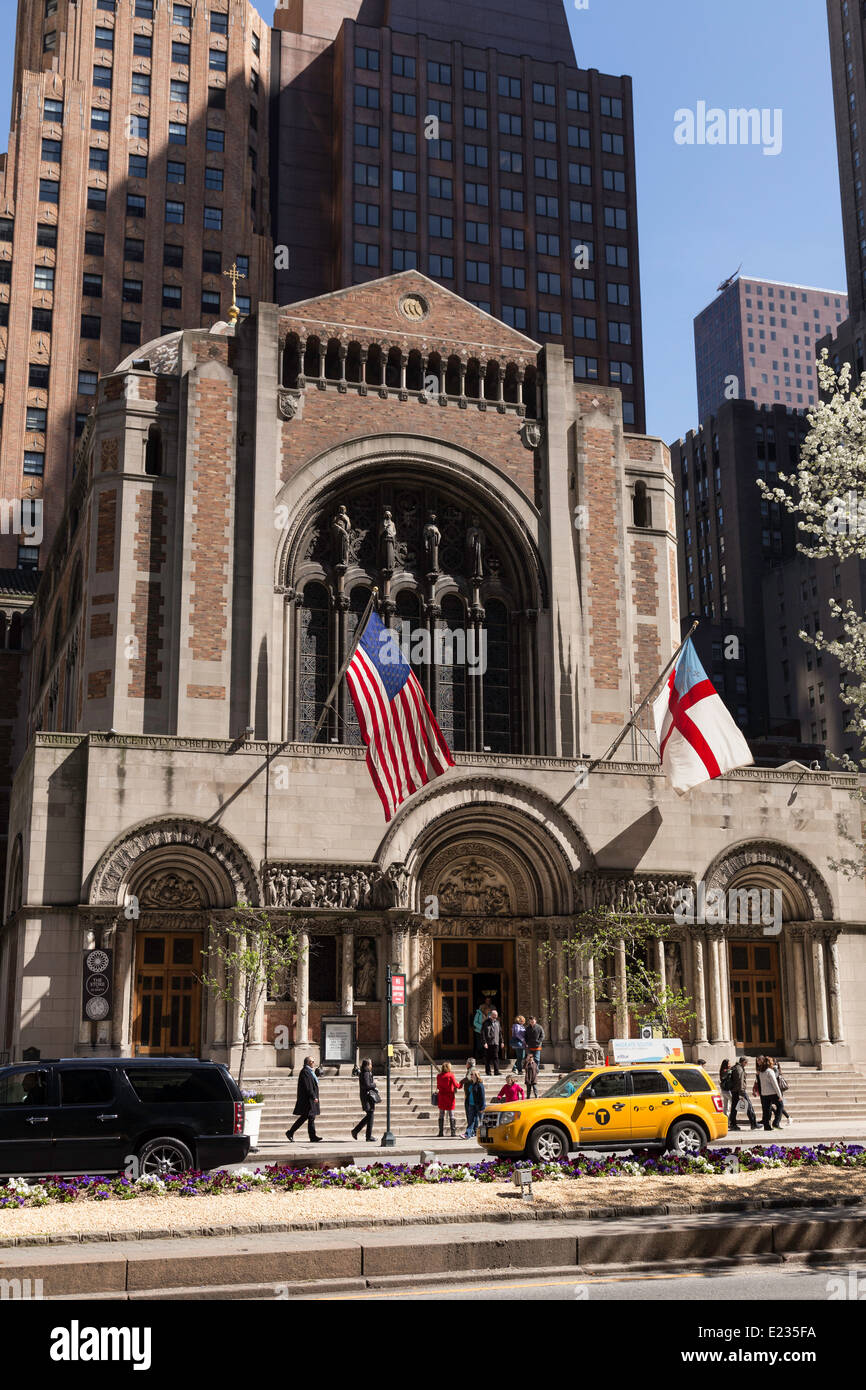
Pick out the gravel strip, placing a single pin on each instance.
(248, 1212)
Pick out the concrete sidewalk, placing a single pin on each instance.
(329, 1155)
(354, 1258)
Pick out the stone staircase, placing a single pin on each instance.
(834, 1094)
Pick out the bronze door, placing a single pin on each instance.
(756, 994)
(468, 973)
(167, 1012)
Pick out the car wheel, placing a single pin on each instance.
(164, 1158)
(687, 1137)
(548, 1143)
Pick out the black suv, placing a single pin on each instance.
(137, 1115)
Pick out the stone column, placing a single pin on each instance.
(558, 985)
(123, 968)
(715, 989)
(819, 975)
(462, 380)
(621, 991)
(404, 362)
(398, 958)
(835, 987)
(589, 1006)
(500, 398)
(302, 989)
(344, 352)
(364, 353)
(661, 967)
(413, 988)
(323, 352)
(796, 943)
(700, 989)
(347, 990)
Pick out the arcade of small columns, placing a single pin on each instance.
(311, 358)
(809, 969)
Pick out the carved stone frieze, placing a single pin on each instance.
(326, 887)
(482, 880)
(652, 895)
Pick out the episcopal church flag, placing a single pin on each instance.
(698, 739)
(405, 747)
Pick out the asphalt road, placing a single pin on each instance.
(791, 1283)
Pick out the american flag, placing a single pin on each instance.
(405, 747)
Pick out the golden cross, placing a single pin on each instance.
(234, 275)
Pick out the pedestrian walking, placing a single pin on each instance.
(783, 1086)
(307, 1104)
(446, 1092)
(530, 1076)
(533, 1037)
(477, 1024)
(518, 1043)
(771, 1094)
(491, 1041)
(465, 1083)
(370, 1098)
(724, 1086)
(476, 1100)
(738, 1093)
(511, 1090)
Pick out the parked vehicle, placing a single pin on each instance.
(139, 1115)
(639, 1106)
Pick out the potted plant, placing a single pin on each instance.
(253, 1106)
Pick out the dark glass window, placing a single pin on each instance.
(323, 967)
(691, 1079)
(609, 1083)
(175, 1085)
(649, 1083)
(86, 1086)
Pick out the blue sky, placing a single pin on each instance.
(704, 209)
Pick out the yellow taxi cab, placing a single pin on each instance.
(658, 1105)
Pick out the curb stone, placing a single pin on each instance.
(385, 1222)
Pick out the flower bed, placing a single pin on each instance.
(23, 1193)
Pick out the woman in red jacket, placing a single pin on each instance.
(447, 1087)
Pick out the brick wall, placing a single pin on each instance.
(213, 470)
(601, 496)
(106, 531)
(148, 601)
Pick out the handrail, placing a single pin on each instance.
(431, 1063)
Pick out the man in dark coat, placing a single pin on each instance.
(491, 1040)
(307, 1104)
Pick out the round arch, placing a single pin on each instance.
(468, 474)
(535, 843)
(769, 864)
(208, 863)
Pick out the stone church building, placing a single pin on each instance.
(238, 493)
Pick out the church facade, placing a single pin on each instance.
(239, 493)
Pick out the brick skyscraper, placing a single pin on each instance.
(763, 333)
(477, 153)
(137, 172)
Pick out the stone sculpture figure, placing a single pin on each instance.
(388, 541)
(341, 530)
(474, 549)
(432, 538)
(365, 968)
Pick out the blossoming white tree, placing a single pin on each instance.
(827, 496)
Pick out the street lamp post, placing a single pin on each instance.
(388, 1140)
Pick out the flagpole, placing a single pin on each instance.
(342, 671)
(643, 704)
